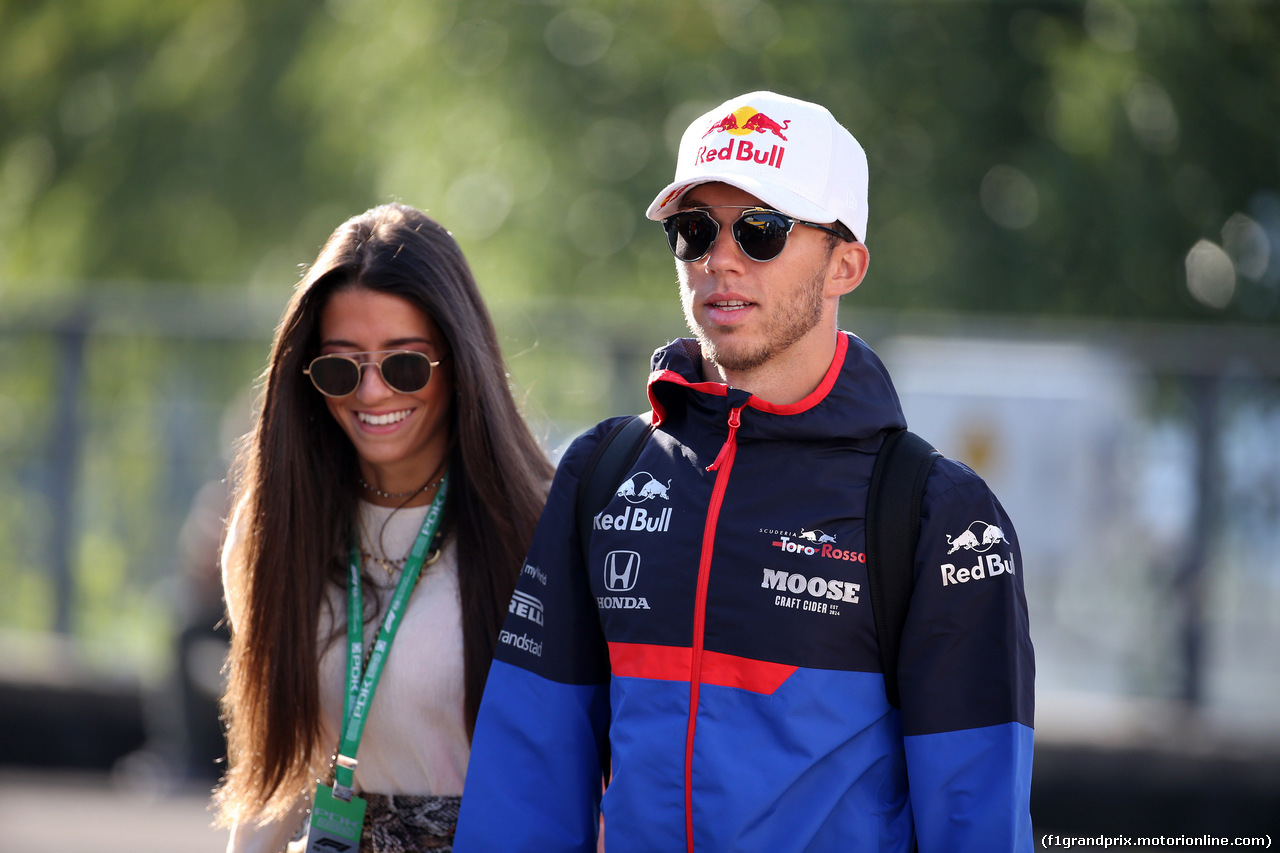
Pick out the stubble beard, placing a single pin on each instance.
(796, 319)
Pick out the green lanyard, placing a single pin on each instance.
(360, 689)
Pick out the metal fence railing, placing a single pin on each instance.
(1138, 462)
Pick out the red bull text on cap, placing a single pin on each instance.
(791, 154)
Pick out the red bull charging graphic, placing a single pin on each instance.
(744, 122)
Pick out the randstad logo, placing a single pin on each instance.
(745, 121)
(523, 642)
(983, 539)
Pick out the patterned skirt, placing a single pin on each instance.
(408, 823)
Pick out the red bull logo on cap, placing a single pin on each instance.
(742, 122)
(746, 120)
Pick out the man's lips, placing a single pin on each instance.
(727, 308)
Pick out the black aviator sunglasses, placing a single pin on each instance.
(339, 374)
(762, 233)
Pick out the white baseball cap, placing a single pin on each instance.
(791, 154)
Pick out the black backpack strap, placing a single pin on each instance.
(612, 458)
(893, 527)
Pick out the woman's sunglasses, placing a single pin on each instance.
(761, 233)
(339, 374)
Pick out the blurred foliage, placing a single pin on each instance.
(1048, 158)
(167, 167)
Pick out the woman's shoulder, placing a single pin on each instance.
(232, 558)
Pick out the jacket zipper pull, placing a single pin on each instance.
(735, 419)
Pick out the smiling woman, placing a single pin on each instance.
(398, 433)
(371, 486)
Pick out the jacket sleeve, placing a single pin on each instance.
(534, 780)
(967, 673)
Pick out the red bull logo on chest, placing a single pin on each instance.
(743, 122)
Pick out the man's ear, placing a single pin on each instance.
(847, 267)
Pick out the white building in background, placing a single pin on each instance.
(1103, 494)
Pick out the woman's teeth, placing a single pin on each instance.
(383, 420)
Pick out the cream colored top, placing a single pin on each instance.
(415, 740)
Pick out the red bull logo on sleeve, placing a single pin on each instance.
(982, 539)
(743, 122)
(979, 537)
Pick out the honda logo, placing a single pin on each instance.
(621, 569)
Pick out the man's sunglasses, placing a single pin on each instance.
(339, 374)
(761, 233)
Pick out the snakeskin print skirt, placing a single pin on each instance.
(408, 823)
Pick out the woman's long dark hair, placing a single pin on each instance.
(296, 499)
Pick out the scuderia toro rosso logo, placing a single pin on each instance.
(813, 543)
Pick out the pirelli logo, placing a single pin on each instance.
(525, 605)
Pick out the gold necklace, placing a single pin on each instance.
(367, 555)
(391, 565)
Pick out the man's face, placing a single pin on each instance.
(746, 313)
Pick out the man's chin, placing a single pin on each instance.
(733, 355)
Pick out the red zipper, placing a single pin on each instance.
(722, 466)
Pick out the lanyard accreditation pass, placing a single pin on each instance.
(337, 815)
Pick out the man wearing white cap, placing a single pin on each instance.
(703, 651)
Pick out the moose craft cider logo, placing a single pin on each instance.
(739, 124)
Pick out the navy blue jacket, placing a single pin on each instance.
(721, 638)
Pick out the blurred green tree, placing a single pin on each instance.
(1042, 158)
(172, 164)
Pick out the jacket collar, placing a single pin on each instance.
(855, 399)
